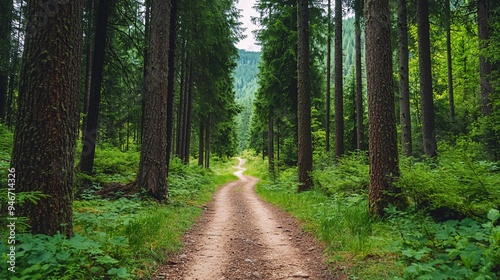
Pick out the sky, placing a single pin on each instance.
(247, 12)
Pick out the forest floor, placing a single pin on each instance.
(239, 236)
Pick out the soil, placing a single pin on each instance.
(239, 236)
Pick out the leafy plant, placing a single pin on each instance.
(463, 249)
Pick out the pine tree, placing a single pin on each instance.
(304, 98)
(426, 93)
(384, 167)
(47, 121)
(152, 175)
(404, 82)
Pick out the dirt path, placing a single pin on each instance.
(241, 237)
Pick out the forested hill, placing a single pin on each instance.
(245, 85)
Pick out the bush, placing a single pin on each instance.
(463, 249)
(455, 186)
(351, 175)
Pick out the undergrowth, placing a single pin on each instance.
(450, 231)
(125, 238)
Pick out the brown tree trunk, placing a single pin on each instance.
(171, 78)
(426, 94)
(360, 110)
(188, 113)
(89, 53)
(201, 144)
(339, 83)
(384, 167)
(5, 45)
(180, 109)
(47, 120)
(449, 60)
(270, 145)
(328, 78)
(152, 174)
(303, 98)
(207, 143)
(484, 64)
(404, 83)
(90, 133)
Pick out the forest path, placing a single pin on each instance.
(239, 236)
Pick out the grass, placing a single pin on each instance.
(356, 245)
(125, 238)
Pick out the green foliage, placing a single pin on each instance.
(349, 176)
(457, 185)
(356, 244)
(55, 257)
(117, 239)
(463, 249)
(113, 165)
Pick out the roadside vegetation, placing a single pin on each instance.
(449, 231)
(119, 233)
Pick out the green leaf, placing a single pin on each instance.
(39, 257)
(120, 272)
(63, 256)
(493, 215)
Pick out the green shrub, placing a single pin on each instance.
(55, 257)
(349, 176)
(453, 187)
(463, 249)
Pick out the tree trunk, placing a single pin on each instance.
(384, 168)
(303, 98)
(201, 144)
(180, 109)
(171, 78)
(47, 120)
(5, 45)
(328, 78)
(339, 83)
(270, 146)
(404, 83)
(484, 64)
(188, 113)
(89, 53)
(360, 110)
(152, 174)
(450, 60)
(426, 94)
(90, 132)
(207, 143)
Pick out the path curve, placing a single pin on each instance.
(239, 236)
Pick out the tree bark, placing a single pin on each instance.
(404, 83)
(47, 120)
(270, 146)
(201, 145)
(152, 174)
(384, 167)
(207, 143)
(89, 53)
(484, 64)
(188, 113)
(171, 78)
(90, 132)
(339, 83)
(426, 94)
(360, 110)
(303, 98)
(5, 46)
(328, 78)
(449, 61)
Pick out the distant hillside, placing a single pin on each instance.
(246, 82)
(245, 85)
